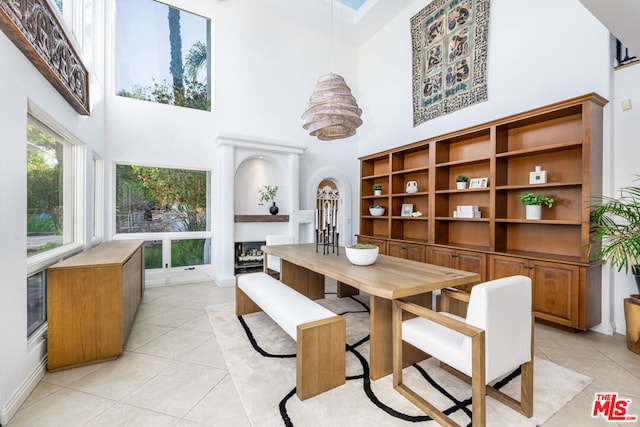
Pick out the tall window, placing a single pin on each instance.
(54, 172)
(98, 198)
(45, 189)
(162, 54)
(169, 204)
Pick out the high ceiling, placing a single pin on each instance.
(355, 21)
(621, 17)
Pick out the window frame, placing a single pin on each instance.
(98, 199)
(74, 191)
(169, 236)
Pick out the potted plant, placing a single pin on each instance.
(461, 182)
(376, 210)
(533, 204)
(268, 194)
(377, 190)
(362, 254)
(616, 238)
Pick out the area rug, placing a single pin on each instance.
(261, 360)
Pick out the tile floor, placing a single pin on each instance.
(173, 373)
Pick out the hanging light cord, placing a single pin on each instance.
(332, 43)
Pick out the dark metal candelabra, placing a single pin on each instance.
(328, 238)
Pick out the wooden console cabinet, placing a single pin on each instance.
(565, 139)
(92, 299)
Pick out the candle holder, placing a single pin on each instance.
(328, 239)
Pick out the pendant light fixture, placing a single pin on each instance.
(332, 112)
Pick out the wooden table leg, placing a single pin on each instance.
(307, 282)
(345, 290)
(381, 344)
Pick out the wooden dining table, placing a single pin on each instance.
(304, 267)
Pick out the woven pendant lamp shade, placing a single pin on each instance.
(332, 112)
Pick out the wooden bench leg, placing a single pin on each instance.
(244, 304)
(320, 356)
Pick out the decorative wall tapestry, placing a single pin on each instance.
(35, 30)
(449, 39)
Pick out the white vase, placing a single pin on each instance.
(461, 185)
(533, 211)
(377, 192)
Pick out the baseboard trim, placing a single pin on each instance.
(22, 393)
(224, 281)
(605, 328)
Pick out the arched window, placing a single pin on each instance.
(327, 212)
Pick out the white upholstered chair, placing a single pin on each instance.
(495, 339)
(273, 262)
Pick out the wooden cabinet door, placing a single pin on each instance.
(442, 256)
(475, 262)
(556, 292)
(378, 242)
(415, 252)
(395, 249)
(505, 266)
(412, 251)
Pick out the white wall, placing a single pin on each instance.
(625, 154)
(265, 69)
(536, 57)
(21, 363)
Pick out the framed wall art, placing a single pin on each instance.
(449, 40)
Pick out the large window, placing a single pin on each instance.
(168, 208)
(55, 194)
(162, 54)
(46, 186)
(98, 198)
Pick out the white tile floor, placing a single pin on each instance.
(174, 374)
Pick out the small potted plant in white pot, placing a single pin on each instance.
(461, 182)
(362, 254)
(377, 190)
(533, 205)
(376, 210)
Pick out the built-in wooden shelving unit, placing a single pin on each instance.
(565, 139)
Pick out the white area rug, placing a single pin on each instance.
(266, 384)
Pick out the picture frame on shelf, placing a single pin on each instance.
(478, 182)
(407, 209)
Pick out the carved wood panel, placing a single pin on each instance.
(36, 31)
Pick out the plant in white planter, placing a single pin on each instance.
(533, 204)
(376, 210)
(461, 182)
(362, 254)
(377, 190)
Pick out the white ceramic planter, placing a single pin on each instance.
(461, 185)
(361, 256)
(533, 211)
(376, 211)
(377, 192)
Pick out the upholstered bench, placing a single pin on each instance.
(319, 333)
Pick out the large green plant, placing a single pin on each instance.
(616, 229)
